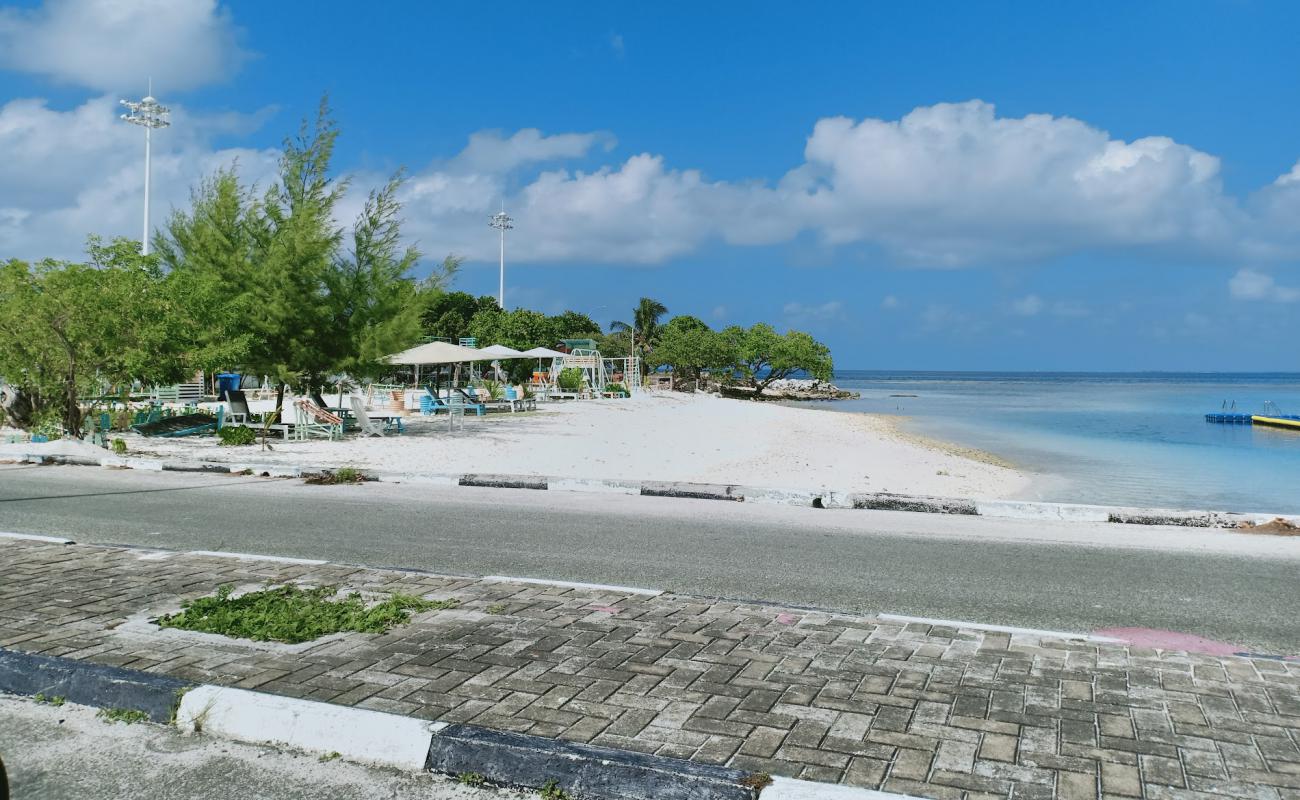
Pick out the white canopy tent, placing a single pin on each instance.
(439, 353)
(543, 352)
(499, 351)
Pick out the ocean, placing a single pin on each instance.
(1108, 438)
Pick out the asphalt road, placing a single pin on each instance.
(67, 753)
(1063, 576)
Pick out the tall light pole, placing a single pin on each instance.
(501, 222)
(148, 114)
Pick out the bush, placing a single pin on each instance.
(616, 387)
(235, 435)
(495, 389)
(570, 379)
(119, 447)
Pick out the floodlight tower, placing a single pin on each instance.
(148, 114)
(501, 221)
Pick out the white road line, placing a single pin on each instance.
(791, 789)
(311, 562)
(979, 626)
(601, 587)
(31, 537)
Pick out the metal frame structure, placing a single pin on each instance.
(150, 115)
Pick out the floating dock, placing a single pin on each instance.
(1229, 418)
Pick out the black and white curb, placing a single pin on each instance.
(826, 498)
(405, 743)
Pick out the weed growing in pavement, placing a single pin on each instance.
(551, 791)
(471, 779)
(128, 716)
(756, 780)
(340, 475)
(293, 614)
(497, 608)
(55, 700)
(330, 756)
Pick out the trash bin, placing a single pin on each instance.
(227, 382)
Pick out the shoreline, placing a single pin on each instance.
(656, 436)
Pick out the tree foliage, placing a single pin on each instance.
(762, 356)
(72, 331)
(690, 347)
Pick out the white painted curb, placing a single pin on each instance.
(791, 789)
(979, 626)
(1020, 509)
(356, 734)
(311, 562)
(594, 485)
(31, 537)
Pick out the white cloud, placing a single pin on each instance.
(117, 45)
(1249, 284)
(1028, 306)
(805, 313)
(70, 173)
(889, 302)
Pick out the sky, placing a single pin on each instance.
(946, 186)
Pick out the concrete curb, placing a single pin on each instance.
(825, 498)
(515, 759)
(91, 684)
(375, 737)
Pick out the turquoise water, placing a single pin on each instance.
(1117, 439)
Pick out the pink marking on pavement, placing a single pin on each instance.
(786, 619)
(1171, 640)
(606, 609)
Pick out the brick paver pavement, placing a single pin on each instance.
(929, 711)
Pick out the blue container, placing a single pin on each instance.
(227, 382)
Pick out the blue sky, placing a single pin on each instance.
(923, 186)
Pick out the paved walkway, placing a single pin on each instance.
(929, 711)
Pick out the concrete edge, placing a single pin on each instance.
(32, 537)
(357, 734)
(91, 684)
(792, 789)
(825, 498)
(601, 773)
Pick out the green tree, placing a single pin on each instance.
(572, 325)
(71, 331)
(762, 356)
(645, 328)
(446, 315)
(690, 347)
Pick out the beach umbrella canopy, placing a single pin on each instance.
(438, 353)
(543, 352)
(498, 351)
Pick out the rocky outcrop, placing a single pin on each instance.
(792, 389)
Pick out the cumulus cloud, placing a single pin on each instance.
(70, 173)
(116, 45)
(1028, 306)
(806, 313)
(1249, 284)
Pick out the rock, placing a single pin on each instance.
(793, 389)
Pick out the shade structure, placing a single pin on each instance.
(497, 351)
(543, 352)
(439, 353)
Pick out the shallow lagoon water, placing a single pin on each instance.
(1115, 439)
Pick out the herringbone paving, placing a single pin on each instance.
(914, 709)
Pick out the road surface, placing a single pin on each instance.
(1224, 585)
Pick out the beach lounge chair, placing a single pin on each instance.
(378, 425)
(431, 405)
(238, 403)
(468, 401)
(312, 420)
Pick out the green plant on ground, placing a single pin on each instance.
(236, 435)
(551, 791)
(756, 780)
(293, 614)
(615, 387)
(330, 756)
(471, 779)
(50, 700)
(340, 475)
(495, 389)
(129, 716)
(497, 608)
(570, 379)
(119, 447)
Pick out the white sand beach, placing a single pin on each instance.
(669, 436)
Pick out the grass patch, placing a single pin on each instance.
(551, 791)
(55, 700)
(497, 608)
(292, 614)
(340, 475)
(128, 716)
(330, 756)
(471, 779)
(237, 435)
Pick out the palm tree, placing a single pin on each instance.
(645, 328)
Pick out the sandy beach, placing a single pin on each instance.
(650, 437)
